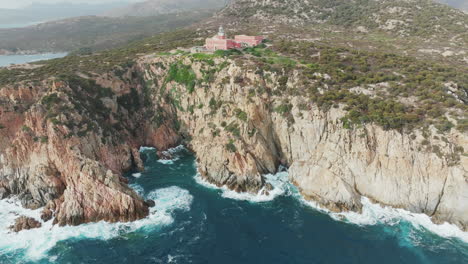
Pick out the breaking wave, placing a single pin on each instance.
(34, 244)
(375, 214)
(175, 153)
(136, 175)
(372, 214)
(278, 181)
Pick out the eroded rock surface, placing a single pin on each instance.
(238, 136)
(67, 152)
(25, 223)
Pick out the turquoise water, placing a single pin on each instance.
(194, 222)
(6, 60)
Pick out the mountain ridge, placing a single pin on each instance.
(158, 7)
(37, 12)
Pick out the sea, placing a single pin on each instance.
(7, 60)
(196, 222)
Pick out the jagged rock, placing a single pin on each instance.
(25, 223)
(334, 166)
(28, 201)
(138, 162)
(150, 203)
(165, 155)
(46, 215)
(4, 193)
(330, 164)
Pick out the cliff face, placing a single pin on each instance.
(66, 142)
(240, 126)
(64, 145)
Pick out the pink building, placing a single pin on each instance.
(220, 42)
(249, 40)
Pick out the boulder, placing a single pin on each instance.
(150, 203)
(25, 223)
(4, 193)
(46, 215)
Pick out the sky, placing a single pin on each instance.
(22, 3)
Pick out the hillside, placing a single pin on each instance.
(91, 33)
(390, 121)
(348, 116)
(158, 7)
(429, 30)
(38, 12)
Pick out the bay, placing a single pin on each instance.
(6, 60)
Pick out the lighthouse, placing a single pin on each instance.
(221, 33)
(220, 42)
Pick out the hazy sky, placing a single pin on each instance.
(20, 3)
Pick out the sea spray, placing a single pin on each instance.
(35, 243)
(279, 181)
(136, 175)
(175, 153)
(372, 214)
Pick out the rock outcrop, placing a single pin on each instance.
(238, 132)
(66, 142)
(25, 223)
(64, 146)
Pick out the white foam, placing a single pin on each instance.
(167, 162)
(171, 197)
(146, 148)
(373, 214)
(172, 152)
(36, 242)
(279, 181)
(138, 189)
(376, 214)
(136, 175)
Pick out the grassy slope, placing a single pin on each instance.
(414, 91)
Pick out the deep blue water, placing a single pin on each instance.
(202, 226)
(6, 60)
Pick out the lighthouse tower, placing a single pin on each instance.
(221, 33)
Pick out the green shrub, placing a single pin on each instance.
(241, 114)
(283, 108)
(233, 128)
(182, 74)
(26, 128)
(230, 146)
(50, 100)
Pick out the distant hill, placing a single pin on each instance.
(38, 12)
(412, 27)
(405, 17)
(157, 7)
(91, 33)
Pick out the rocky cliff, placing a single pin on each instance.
(241, 125)
(66, 141)
(64, 145)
